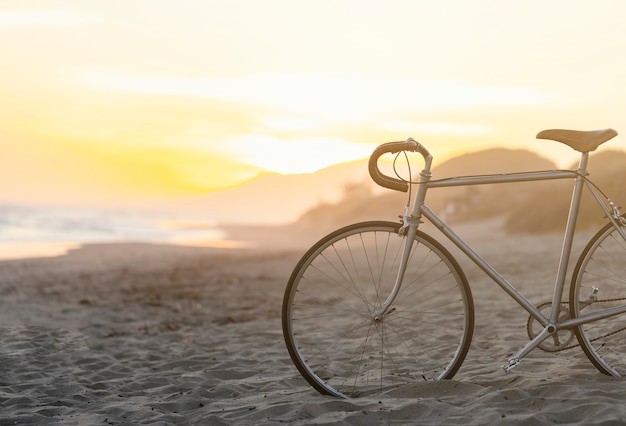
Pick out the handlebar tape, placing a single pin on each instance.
(391, 147)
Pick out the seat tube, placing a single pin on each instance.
(569, 237)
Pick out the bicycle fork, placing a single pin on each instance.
(410, 222)
(409, 228)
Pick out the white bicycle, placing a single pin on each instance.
(376, 305)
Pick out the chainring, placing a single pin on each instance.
(560, 340)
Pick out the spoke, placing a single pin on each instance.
(603, 266)
(337, 342)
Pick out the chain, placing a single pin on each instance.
(592, 340)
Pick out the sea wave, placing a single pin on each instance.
(32, 230)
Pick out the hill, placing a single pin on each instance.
(545, 209)
(273, 198)
(529, 207)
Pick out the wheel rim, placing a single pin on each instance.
(602, 267)
(333, 327)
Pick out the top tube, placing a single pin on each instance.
(504, 178)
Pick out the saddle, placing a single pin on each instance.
(581, 141)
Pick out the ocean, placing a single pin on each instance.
(35, 231)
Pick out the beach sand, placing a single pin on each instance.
(155, 334)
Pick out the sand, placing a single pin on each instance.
(156, 334)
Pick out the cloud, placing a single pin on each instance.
(292, 124)
(40, 18)
(437, 128)
(336, 96)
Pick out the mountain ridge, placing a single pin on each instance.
(274, 198)
(345, 193)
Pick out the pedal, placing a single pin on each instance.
(513, 362)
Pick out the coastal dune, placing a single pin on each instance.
(162, 334)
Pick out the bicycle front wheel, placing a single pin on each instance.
(598, 284)
(331, 321)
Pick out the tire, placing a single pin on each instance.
(602, 265)
(337, 342)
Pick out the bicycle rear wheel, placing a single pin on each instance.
(600, 275)
(338, 342)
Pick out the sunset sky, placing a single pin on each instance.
(105, 99)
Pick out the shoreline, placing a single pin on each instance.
(233, 237)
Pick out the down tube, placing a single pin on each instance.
(482, 264)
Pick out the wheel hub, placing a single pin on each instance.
(378, 315)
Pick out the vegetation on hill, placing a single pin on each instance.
(546, 208)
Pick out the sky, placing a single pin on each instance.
(105, 101)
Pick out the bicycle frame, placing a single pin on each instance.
(551, 324)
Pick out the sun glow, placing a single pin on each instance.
(301, 123)
(99, 172)
(295, 155)
(163, 98)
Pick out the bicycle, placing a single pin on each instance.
(380, 304)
